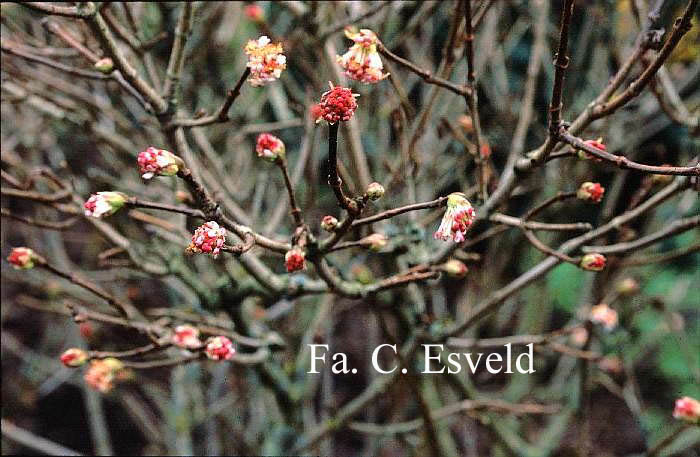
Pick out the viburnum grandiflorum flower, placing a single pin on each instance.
(295, 259)
(101, 374)
(458, 217)
(362, 61)
(74, 357)
(375, 241)
(590, 191)
(687, 409)
(159, 162)
(104, 204)
(375, 191)
(219, 348)
(593, 262)
(208, 238)
(329, 223)
(269, 147)
(455, 268)
(337, 104)
(604, 315)
(22, 258)
(186, 336)
(598, 144)
(265, 61)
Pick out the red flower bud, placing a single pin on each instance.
(219, 348)
(269, 147)
(294, 260)
(22, 258)
(74, 357)
(591, 191)
(338, 104)
(687, 409)
(593, 262)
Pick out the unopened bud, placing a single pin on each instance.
(74, 357)
(375, 191)
(687, 409)
(455, 268)
(329, 223)
(104, 65)
(591, 191)
(627, 287)
(375, 241)
(22, 258)
(593, 262)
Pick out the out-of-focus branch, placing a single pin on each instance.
(177, 54)
(673, 228)
(83, 10)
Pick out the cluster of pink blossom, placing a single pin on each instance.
(158, 162)
(337, 104)
(209, 238)
(362, 62)
(457, 219)
(604, 315)
(219, 348)
(186, 336)
(265, 61)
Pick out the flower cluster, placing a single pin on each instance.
(104, 204)
(74, 357)
(457, 219)
(337, 104)
(593, 262)
(591, 191)
(687, 409)
(208, 238)
(22, 258)
(295, 259)
(604, 315)
(219, 348)
(265, 61)
(362, 61)
(101, 374)
(329, 223)
(186, 336)
(159, 162)
(269, 147)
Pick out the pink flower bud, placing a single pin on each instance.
(186, 336)
(362, 61)
(265, 61)
(209, 238)
(159, 162)
(219, 348)
(591, 191)
(687, 409)
(316, 112)
(294, 260)
(376, 241)
(457, 219)
(104, 204)
(375, 191)
(603, 315)
(329, 223)
(255, 13)
(627, 287)
(593, 262)
(337, 104)
(466, 122)
(485, 151)
(598, 144)
(455, 268)
(22, 258)
(269, 147)
(74, 357)
(104, 65)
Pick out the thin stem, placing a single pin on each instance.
(388, 214)
(625, 163)
(296, 212)
(221, 115)
(333, 179)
